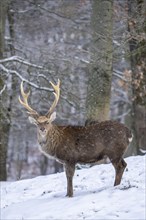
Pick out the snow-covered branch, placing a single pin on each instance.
(3, 89)
(9, 71)
(20, 60)
(82, 60)
(119, 75)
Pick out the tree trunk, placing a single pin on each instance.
(3, 9)
(4, 121)
(100, 68)
(137, 119)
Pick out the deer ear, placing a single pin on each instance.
(52, 117)
(32, 120)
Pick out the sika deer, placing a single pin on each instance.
(79, 144)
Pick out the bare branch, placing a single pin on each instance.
(56, 15)
(122, 95)
(3, 89)
(20, 60)
(123, 115)
(8, 71)
(82, 60)
(119, 75)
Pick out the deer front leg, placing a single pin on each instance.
(69, 170)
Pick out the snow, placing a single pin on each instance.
(95, 197)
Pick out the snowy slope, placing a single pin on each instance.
(94, 195)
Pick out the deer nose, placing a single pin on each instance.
(42, 128)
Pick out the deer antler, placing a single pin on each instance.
(25, 102)
(56, 94)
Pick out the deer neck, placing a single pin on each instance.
(54, 135)
(50, 141)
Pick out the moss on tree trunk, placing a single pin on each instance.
(100, 68)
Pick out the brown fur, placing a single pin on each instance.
(84, 144)
(79, 144)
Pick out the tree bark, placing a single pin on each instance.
(100, 68)
(4, 121)
(137, 119)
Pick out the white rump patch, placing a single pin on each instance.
(130, 139)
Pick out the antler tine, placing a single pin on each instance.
(56, 94)
(25, 102)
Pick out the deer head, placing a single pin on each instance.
(42, 122)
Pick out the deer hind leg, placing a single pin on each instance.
(119, 166)
(69, 169)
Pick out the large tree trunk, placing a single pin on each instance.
(137, 44)
(3, 9)
(100, 68)
(4, 121)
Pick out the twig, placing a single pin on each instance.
(3, 89)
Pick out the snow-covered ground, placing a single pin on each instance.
(95, 197)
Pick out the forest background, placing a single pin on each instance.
(98, 51)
